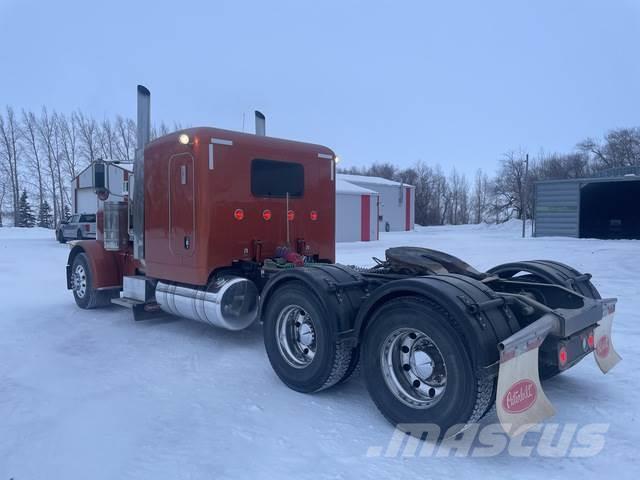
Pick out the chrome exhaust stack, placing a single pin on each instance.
(261, 128)
(230, 302)
(144, 132)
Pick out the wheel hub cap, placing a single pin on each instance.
(296, 336)
(80, 281)
(413, 368)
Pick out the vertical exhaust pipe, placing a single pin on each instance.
(144, 132)
(260, 124)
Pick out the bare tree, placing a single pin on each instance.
(33, 153)
(47, 131)
(479, 203)
(69, 144)
(107, 139)
(9, 154)
(88, 135)
(126, 145)
(621, 148)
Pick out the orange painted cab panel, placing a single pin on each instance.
(201, 214)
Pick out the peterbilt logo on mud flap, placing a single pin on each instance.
(520, 396)
(602, 347)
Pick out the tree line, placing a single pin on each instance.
(41, 152)
(455, 199)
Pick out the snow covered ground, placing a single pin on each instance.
(94, 395)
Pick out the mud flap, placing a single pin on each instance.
(606, 355)
(520, 401)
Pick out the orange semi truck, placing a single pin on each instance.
(230, 228)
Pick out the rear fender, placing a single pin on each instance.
(106, 267)
(339, 289)
(552, 272)
(463, 298)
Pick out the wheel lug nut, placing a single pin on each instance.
(432, 392)
(298, 324)
(412, 336)
(416, 383)
(405, 349)
(406, 367)
(305, 351)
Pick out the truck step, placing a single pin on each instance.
(141, 310)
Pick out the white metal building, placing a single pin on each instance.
(396, 201)
(356, 213)
(84, 197)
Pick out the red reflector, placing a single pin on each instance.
(313, 215)
(562, 356)
(591, 340)
(86, 228)
(266, 214)
(238, 214)
(291, 215)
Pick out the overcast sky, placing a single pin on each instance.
(456, 83)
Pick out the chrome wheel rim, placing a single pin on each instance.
(80, 281)
(296, 336)
(413, 368)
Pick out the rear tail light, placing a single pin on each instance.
(266, 214)
(87, 227)
(313, 215)
(291, 215)
(238, 214)
(562, 356)
(591, 341)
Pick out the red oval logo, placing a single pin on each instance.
(520, 396)
(602, 348)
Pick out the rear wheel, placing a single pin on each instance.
(301, 341)
(60, 237)
(79, 234)
(418, 370)
(85, 295)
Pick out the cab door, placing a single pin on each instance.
(181, 205)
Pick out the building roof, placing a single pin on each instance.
(347, 188)
(127, 166)
(371, 180)
(624, 178)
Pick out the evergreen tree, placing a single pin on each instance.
(44, 216)
(25, 215)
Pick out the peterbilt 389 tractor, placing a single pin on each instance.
(231, 228)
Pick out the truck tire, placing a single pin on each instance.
(301, 342)
(79, 235)
(554, 273)
(60, 237)
(418, 371)
(84, 294)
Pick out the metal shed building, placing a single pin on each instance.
(356, 213)
(397, 201)
(603, 207)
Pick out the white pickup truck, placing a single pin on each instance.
(79, 226)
